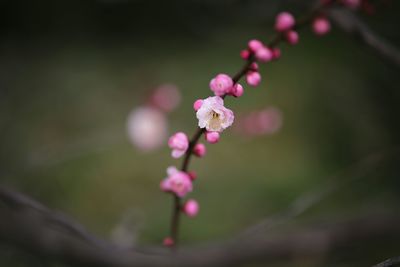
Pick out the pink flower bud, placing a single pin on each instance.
(253, 66)
(245, 54)
(284, 21)
(212, 137)
(254, 45)
(191, 208)
(253, 78)
(221, 84)
(237, 90)
(292, 37)
(263, 54)
(168, 242)
(192, 175)
(199, 150)
(197, 104)
(321, 26)
(179, 143)
(276, 53)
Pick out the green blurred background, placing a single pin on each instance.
(71, 71)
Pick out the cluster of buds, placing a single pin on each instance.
(222, 85)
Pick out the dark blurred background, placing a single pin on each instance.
(71, 71)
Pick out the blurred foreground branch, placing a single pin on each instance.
(389, 262)
(28, 225)
(351, 24)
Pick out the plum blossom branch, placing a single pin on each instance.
(213, 117)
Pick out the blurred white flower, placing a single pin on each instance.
(147, 128)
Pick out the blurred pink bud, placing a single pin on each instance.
(191, 208)
(221, 84)
(284, 21)
(253, 78)
(199, 150)
(245, 54)
(292, 37)
(147, 128)
(166, 97)
(352, 3)
(321, 26)
(212, 137)
(254, 45)
(237, 90)
(168, 242)
(179, 143)
(276, 53)
(197, 104)
(253, 66)
(192, 175)
(263, 54)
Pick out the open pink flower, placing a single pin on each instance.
(221, 84)
(213, 115)
(178, 182)
(179, 143)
